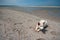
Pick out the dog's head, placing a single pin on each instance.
(42, 24)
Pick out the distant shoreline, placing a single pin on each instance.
(46, 6)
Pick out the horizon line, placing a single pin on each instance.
(37, 6)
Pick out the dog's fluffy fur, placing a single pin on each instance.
(40, 25)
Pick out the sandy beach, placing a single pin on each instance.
(17, 25)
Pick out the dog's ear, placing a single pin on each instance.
(38, 23)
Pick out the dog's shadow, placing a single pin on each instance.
(44, 30)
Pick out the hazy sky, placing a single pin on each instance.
(31, 2)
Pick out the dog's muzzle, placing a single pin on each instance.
(41, 28)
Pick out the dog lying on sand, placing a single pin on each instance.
(40, 25)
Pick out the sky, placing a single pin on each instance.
(31, 2)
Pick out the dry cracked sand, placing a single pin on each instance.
(15, 25)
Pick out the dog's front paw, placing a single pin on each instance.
(37, 30)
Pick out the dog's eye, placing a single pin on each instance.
(38, 23)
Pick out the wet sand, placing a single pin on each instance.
(17, 25)
(53, 15)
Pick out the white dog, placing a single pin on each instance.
(40, 25)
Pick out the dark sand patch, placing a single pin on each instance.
(40, 39)
(53, 32)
